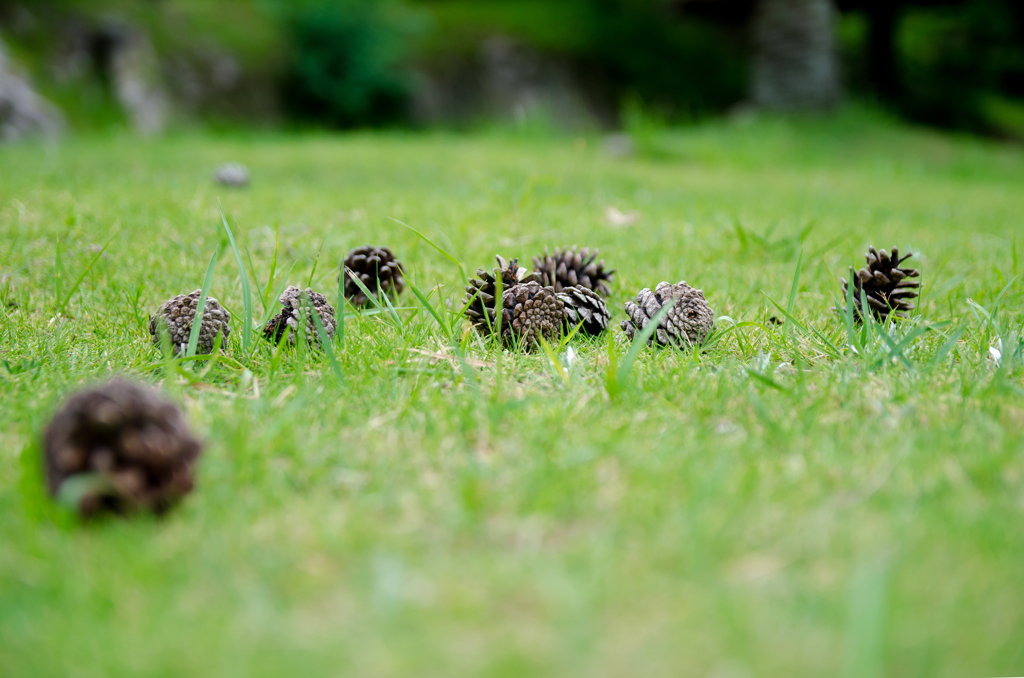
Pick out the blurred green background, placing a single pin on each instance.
(570, 64)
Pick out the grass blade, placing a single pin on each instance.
(197, 319)
(246, 295)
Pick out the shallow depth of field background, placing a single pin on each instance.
(792, 499)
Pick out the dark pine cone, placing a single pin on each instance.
(569, 267)
(689, 321)
(178, 314)
(583, 305)
(530, 312)
(886, 285)
(481, 291)
(130, 448)
(298, 306)
(374, 266)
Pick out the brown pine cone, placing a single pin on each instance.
(482, 290)
(179, 312)
(689, 322)
(886, 285)
(584, 305)
(374, 266)
(573, 266)
(530, 312)
(298, 307)
(128, 447)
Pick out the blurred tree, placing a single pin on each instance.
(881, 50)
(795, 65)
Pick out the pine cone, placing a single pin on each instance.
(583, 305)
(374, 266)
(569, 267)
(481, 291)
(529, 312)
(179, 312)
(298, 306)
(885, 283)
(131, 447)
(689, 321)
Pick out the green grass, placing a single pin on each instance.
(776, 504)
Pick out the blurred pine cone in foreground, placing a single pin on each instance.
(299, 306)
(178, 314)
(120, 447)
(374, 266)
(886, 285)
(689, 321)
(573, 266)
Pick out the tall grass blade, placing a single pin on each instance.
(341, 309)
(851, 335)
(58, 264)
(867, 317)
(947, 347)
(197, 320)
(81, 276)
(373, 299)
(252, 269)
(271, 309)
(430, 309)
(791, 303)
(325, 342)
(640, 341)
(315, 262)
(832, 350)
(555, 362)
(462, 271)
(246, 295)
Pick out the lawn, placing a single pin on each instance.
(793, 499)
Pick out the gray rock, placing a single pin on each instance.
(23, 113)
(232, 174)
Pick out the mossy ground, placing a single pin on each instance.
(775, 504)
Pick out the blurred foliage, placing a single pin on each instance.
(346, 63)
(631, 48)
(349, 63)
(960, 65)
(955, 59)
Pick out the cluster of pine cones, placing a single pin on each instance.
(121, 447)
(566, 291)
(376, 269)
